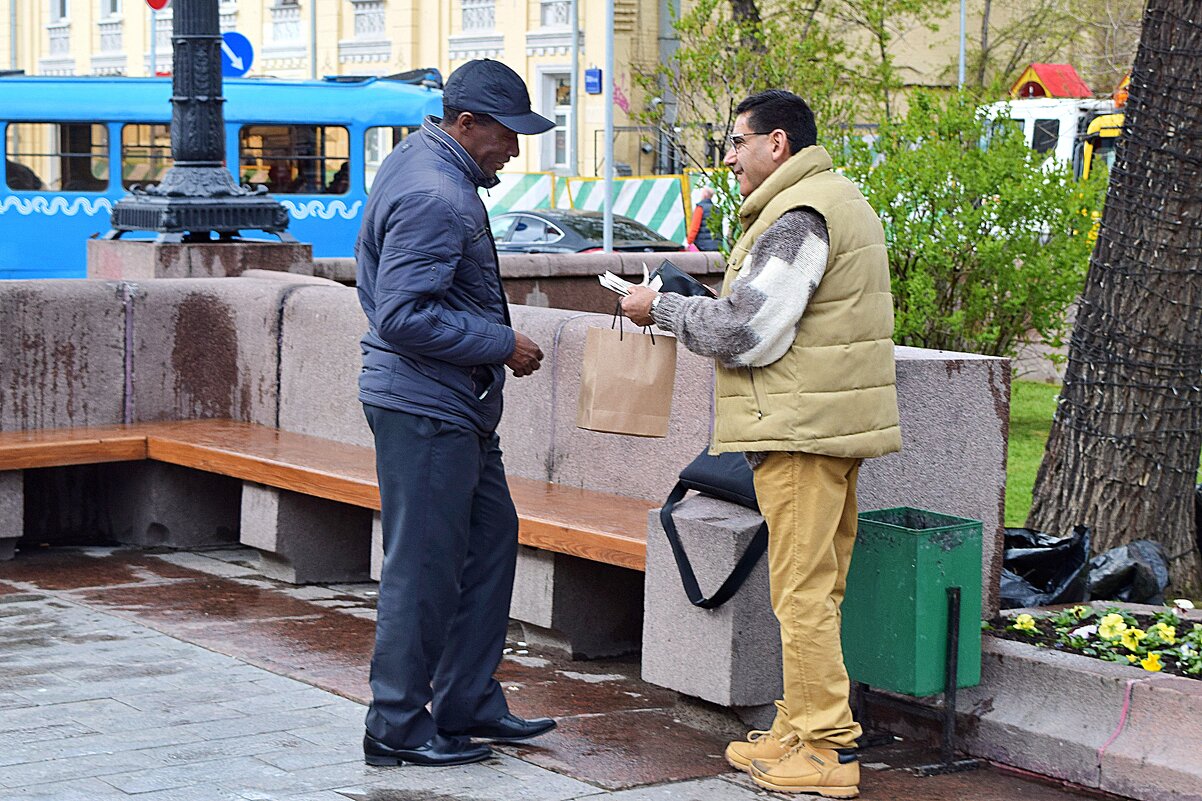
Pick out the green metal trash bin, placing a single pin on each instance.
(895, 612)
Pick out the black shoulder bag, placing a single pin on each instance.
(726, 476)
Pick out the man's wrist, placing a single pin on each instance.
(655, 302)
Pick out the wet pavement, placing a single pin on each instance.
(188, 675)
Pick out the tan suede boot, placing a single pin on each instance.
(759, 745)
(808, 769)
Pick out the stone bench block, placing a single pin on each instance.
(730, 655)
(155, 503)
(955, 421)
(377, 547)
(12, 511)
(586, 610)
(205, 349)
(539, 433)
(63, 346)
(320, 363)
(303, 539)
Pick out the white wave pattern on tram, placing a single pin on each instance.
(317, 208)
(55, 205)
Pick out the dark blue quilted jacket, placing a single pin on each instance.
(439, 330)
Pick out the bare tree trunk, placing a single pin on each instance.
(1123, 451)
(984, 43)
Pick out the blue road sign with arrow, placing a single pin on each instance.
(237, 54)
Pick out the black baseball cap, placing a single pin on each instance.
(489, 87)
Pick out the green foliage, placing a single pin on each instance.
(987, 240)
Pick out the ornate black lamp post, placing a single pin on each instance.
(198, 195)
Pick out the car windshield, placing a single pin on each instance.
(593, 228)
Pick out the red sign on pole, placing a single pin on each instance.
(158, 5)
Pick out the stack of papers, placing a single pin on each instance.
(621, 286)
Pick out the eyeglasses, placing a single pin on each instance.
(736, 141)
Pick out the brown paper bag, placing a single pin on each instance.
(626, 382)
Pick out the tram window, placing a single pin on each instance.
(57, 157)
(295, 159)
(145, 154)
(378, 143)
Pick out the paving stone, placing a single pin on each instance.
(208, 772)
(90, 766)
(74, 790)
(206, 563)
(702, 790)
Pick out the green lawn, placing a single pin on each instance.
(1031, 407)
(1032, 404)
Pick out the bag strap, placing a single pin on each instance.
(742, 569)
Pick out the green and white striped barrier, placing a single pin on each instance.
(657, 202)
(519, 191)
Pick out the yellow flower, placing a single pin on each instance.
(1024, 622)
(1131, 638)
(1111, 626)
(1131, 658)
(1151, 663)
(1079, 612)
(1167, 634)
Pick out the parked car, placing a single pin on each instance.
(572, 231)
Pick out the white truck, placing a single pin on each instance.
(1056, 126)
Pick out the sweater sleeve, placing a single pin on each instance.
(756, 323)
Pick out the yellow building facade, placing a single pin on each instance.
(376, 37)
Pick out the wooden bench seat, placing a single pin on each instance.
(596, 526)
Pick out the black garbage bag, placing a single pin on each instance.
(1137, 572)
(1040, 569)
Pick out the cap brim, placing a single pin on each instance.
(528, 123)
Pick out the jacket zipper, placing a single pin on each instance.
(755, 391)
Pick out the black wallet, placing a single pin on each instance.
(674, 279)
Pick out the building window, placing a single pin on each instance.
(145, 154)
(229, 16)
(377, 144)
(110, 8)
(58, 10)
(555, 13)
(479, 15)
(110, 35)
(295, 159)
(369, 19)
(162, 30)
(60, 38)
(57, 157)
(285, 22)
(558, 102)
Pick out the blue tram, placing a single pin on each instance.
(75, 145)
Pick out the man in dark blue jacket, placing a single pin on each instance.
(438, 340)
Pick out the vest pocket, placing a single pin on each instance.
(755, 392)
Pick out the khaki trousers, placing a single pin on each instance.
(809, 502)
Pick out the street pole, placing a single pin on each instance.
(12, 33)
(608, 238)
(574, 136)
(154, 42)
(963, 23)
(197, 196)
(313, 39)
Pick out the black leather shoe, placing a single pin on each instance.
(509, 729)
(439, 750)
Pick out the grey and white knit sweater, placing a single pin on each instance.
(755, 324)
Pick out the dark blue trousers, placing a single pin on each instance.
(450, 548)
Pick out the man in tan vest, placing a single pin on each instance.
(802, 335)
